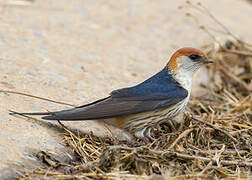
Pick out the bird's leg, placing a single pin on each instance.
(141, 135)
(144, 135)
(147, 134)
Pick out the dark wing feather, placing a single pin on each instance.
(158, 92)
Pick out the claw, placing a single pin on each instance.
(145, 135)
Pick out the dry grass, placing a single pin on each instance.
(215, 142)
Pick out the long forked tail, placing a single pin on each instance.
(64, 115)
(32, 114)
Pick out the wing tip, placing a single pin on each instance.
(50, 118)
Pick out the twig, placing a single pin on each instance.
(67, 130)
(183, 134)
(244, 53)
(204, 10)
(163, 155)
(226, 152)
(37, 97)
(205, 159)
(203, 28)
(217, 21)
(216, 128)
(238, 80)
(215, 158)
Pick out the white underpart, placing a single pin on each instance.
(184, 76)
(139, 123)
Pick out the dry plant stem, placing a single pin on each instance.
(218, 22)
(87, 175)
(235, 78)
(204, 10)
(163, 155)
(244, 53)
(216, 158)
(211, 35)
(205, 159)
(216, 128)
(202, 27)
(183, 134)
(226, 152)
(67, 130)
(76, 145)
(37, 97)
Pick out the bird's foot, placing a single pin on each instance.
(145, 135)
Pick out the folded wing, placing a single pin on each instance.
(158, 92)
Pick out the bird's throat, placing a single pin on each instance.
(184, 79)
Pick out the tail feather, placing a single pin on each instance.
(57, 115)
(32, 114)
(50, 117)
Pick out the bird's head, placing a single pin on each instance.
(185, 62)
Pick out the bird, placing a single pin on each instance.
(139, 108)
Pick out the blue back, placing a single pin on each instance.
(161, 85)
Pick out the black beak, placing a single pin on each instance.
(208, 61)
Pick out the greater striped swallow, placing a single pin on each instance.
(136, 109)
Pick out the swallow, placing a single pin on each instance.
(137, 109)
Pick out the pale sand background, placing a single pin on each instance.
(78, 51)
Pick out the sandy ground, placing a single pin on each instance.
(78, 51)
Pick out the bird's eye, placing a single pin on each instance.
(194, 57)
